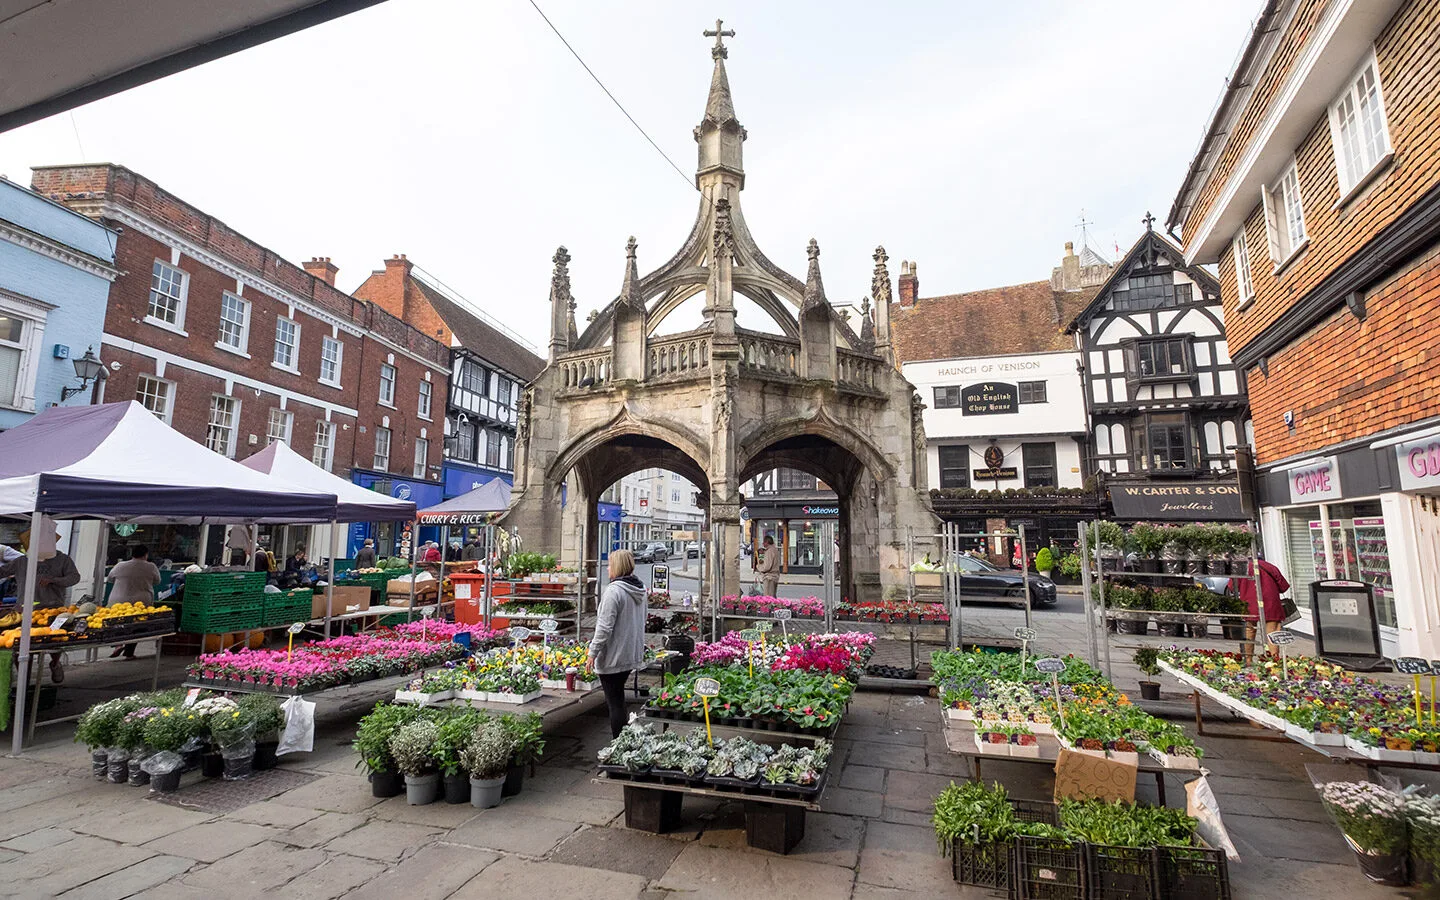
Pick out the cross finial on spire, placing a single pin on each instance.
(1149, 221)
(719, 34)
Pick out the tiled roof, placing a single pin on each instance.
(1020, 318)
(479, 338)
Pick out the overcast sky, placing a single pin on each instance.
(965, 136)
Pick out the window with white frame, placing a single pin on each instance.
(387, 384)
(1240, 251)
(422, 457)
(167, 294)
(1284, 217)
(331, 355)
(1358, 130)
(492, 448)
(19, 350)
(382, 449)
(234, 322)
(424, 406)
(324, 453)
(224, 422)
(503, 390)
(287, 342)
(156, 396)
(278, 427)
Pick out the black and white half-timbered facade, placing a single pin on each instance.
(1163, 396)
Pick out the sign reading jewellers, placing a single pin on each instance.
(988, 398)
(1187, 501)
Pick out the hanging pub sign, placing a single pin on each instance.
(1189, 501)
(988, 398)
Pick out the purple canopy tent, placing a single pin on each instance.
(118, 461)
(355, 503)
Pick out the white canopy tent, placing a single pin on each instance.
(117, 461)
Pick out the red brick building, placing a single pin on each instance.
(1317, 192)
(236, 347)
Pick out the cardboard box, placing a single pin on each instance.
(425, 592)
(402, 586)
(345, 597)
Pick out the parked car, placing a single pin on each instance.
(650, 553)
(692, 550)
(982, 582)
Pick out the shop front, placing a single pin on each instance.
(461, 478)
(1368, 513)
(793, 526)
(392, 538)
(609, 515)
(1048, 521)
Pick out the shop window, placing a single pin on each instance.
(1358, 551)
(955, 466)
(1039, 460)
(947, 397)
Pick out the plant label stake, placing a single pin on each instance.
(520, 634)
(783, 617)
(425, 615)
(1281, 638)
(750, 636)
(1024, 636)
(1414, 666)
(1053, 666)
(547, 628)
(191, 696)
(290, 643)
(705, 688)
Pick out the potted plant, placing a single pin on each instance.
(1112, 542)
(1177, 548)
(1200, 602)
(1148, 540)
(97, 730)
(453, 733)
(165, 733)
(1423, 814)
(1147, 660)
(528, 744)
(234, 734)
(486, 757)
(413, 747)
(1237, 549)
(1372, 819)
(1165, 602)
(269, 718)
(372, 742)
(1233, 629)
(1044, 561)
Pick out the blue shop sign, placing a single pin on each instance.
(422, 493)
(609, 512)
(462, 479)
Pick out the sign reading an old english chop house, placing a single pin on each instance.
(1191, 501)
(988, 398)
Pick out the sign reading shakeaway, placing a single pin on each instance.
(1190, 501)
(988, 398)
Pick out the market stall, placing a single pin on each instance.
(119, 462)
(353, 503)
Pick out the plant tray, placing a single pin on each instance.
(620, 773)
(1194, 873)
(515, 698)
(422, 698)
(675, 776)
(1191, 763)
(989, 749)
(1049, 869)
(787, 789)
(733, 784)
(987, 865)
(580, 686)
(1121, 873)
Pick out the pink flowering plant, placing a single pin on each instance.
(323, 664)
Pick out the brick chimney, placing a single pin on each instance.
(909, 283)
(322, 268)
(1070, 268)
(398, 263)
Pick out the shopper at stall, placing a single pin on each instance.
(473, 551)
(54, 576)
(618, 647)
(134, 581)
(1272, 585)
(365, 556)
(431, 553)
(262, 560)
(768, 566)
(297, 562)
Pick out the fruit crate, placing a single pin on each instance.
(288, 606)
(989, 865)
(1049, 869)
(216, 588)
(1194, 873)
(1121, 873)
(198, 619)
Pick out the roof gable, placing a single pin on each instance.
(1018, 318)
(1151, 252)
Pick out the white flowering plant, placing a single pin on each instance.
(1423, 814)
(1371, 817)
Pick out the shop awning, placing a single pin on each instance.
(355, 503)
(478, 507)
(117, 461)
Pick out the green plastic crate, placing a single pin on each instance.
(213, 585)
(198, 620)
(288, 606)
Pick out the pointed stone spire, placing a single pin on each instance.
(867, 327)
(562, 306)
(630, 288)
(719, 134)
(880, 290)
(814, 290)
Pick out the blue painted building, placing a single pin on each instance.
(56, 267)
(462, 478)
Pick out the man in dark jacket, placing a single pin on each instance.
(53, 579)
(365, 556)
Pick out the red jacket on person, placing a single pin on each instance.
(1272, 585)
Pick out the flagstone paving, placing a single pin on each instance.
(62, 834)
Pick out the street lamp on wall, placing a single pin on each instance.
(87, 369)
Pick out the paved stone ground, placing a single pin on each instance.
(62, 834)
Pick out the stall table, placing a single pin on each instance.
(39, 653)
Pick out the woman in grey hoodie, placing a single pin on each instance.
(618, 647)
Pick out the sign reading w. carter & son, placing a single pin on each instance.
(1180, 500)
(988, 398)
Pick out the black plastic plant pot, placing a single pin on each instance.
(1148, 564)
(238, 768)
(1233, 631)
(265, 757)
(1170, 629)
(168, 783)
(1150, 690)
(514, 781)
(118, 771)
(386, 784)
(457, 788)
(138, 776)
(212, 765)
(190, 759)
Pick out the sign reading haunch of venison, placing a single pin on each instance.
(1190, 501)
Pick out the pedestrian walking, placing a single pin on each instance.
(618, 647)
(134, 581)
(769, 566)
(365, 556)
(1272, 585)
